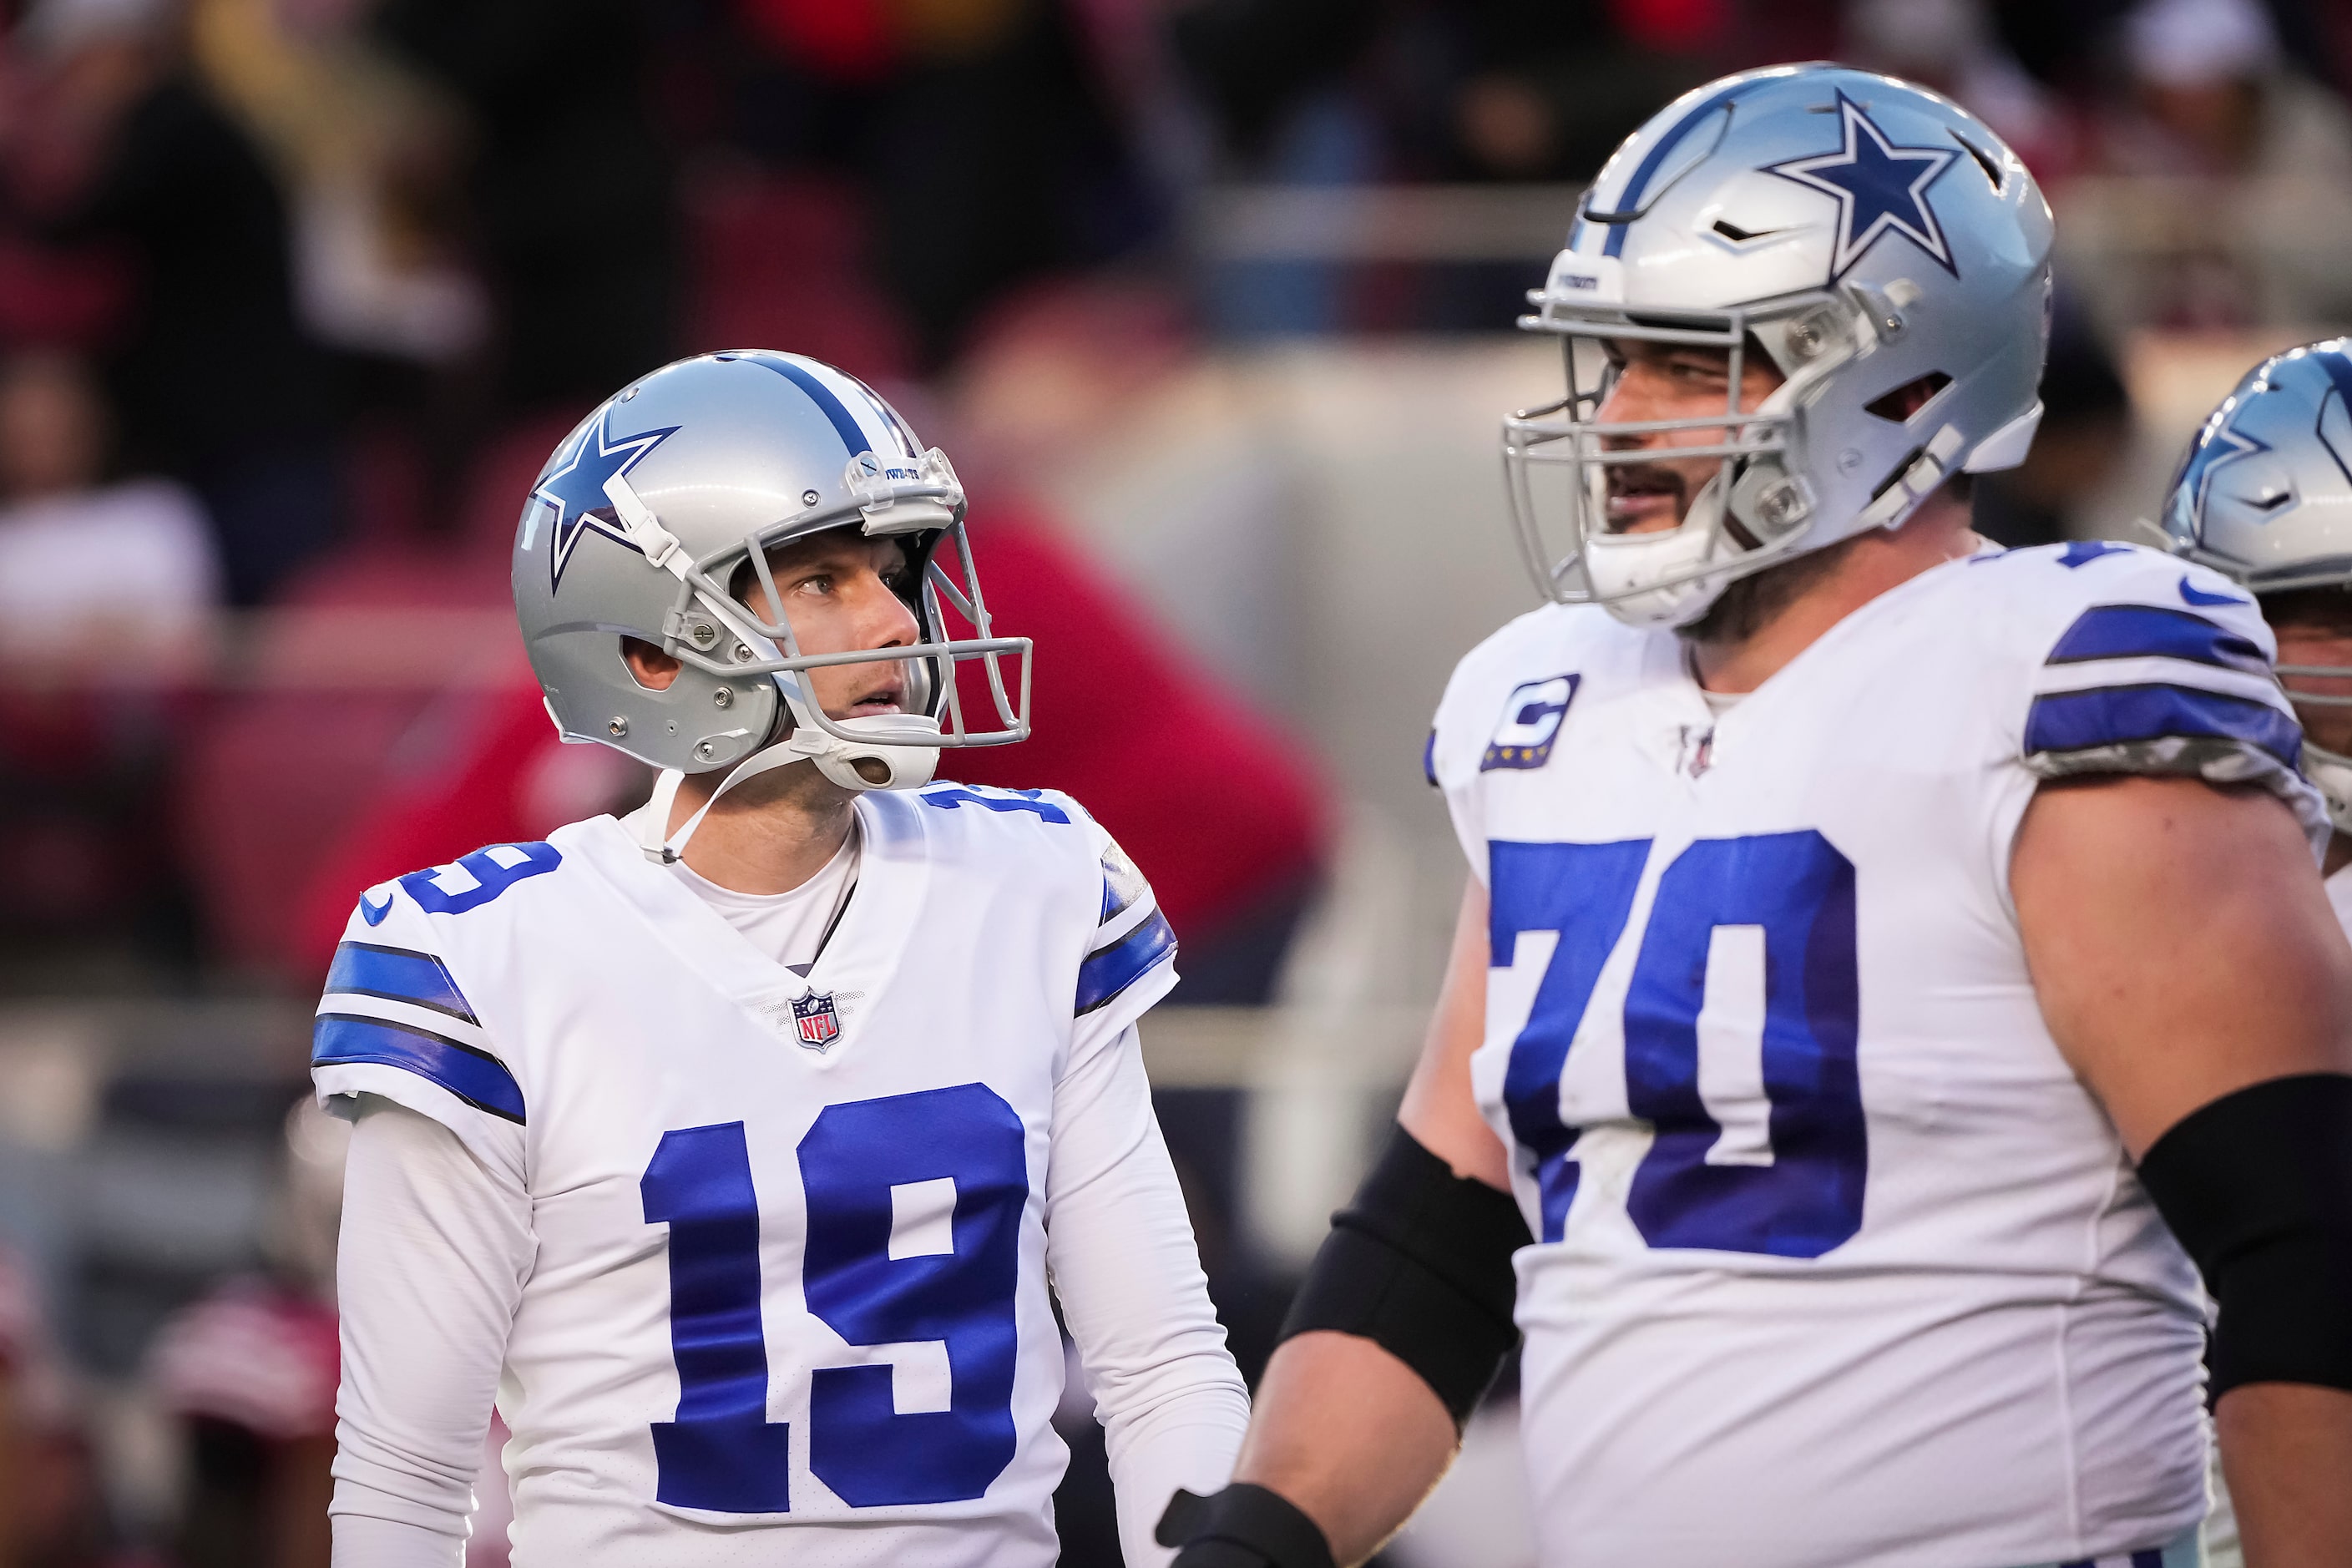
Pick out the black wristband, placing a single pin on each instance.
(1243, 1526)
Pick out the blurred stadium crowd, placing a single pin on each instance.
(1208, 298)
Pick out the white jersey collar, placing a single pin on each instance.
(893, 880)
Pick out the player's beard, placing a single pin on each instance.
(1750, 603)
(1743, 607)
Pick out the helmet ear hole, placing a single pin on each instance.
(1900, 405)
(648, 666)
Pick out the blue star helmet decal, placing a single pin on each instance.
(2216, 445)
(2334, 427)
(576, 489)
(1879, 188)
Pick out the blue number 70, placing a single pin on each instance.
(1800, 889)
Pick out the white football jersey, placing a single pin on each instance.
(1836, 1261)
(790, 1240)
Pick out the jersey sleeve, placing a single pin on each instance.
(393, 1021)
(436, 1247)
(2169, 673)
(1455, 758)
(1130, 957)
(1120, 1247)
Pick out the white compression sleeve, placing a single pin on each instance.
(435, 1246)
(1120, 1246)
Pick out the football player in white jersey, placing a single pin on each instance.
(2264, 497)
(1890, 967)
(731, 1149)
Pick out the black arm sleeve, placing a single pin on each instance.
(1420, 1264)
(2257, 1186)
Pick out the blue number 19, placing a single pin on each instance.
(721, 1453)
(1800, 891)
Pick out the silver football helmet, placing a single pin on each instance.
(2264, 497)
(654, 514)
(1868, 237)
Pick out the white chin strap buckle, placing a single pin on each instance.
(903, 753)
(881, 764)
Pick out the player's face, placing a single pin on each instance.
(2316, 631)
(841, 595)
(1670, 381)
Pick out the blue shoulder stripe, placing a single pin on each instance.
(477, 1078)
(363, 969)
(1107, 974)
(2154, 631)
(2119, 715)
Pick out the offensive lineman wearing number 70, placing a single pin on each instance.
(1891, 968)
(729, 1148)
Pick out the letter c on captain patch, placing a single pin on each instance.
(1530, 722)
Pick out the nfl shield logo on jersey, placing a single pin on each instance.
(815, 1016)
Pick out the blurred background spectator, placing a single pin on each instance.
(1211, 301)
(124, 149)
(90, 571)
(107, 596)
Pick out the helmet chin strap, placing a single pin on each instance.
(854, 766)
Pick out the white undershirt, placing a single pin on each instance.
(788, 927)
(2339, 897)
(1719, 703)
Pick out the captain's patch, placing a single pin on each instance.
(1530, 722)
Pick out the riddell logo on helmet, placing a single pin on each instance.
(1596, 277)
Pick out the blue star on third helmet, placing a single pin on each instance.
(2215, 445)
(576, 490)
(1879, 187)
(2335, 424)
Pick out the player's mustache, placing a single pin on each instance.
(1649, 479)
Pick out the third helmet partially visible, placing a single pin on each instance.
(2265, 496)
